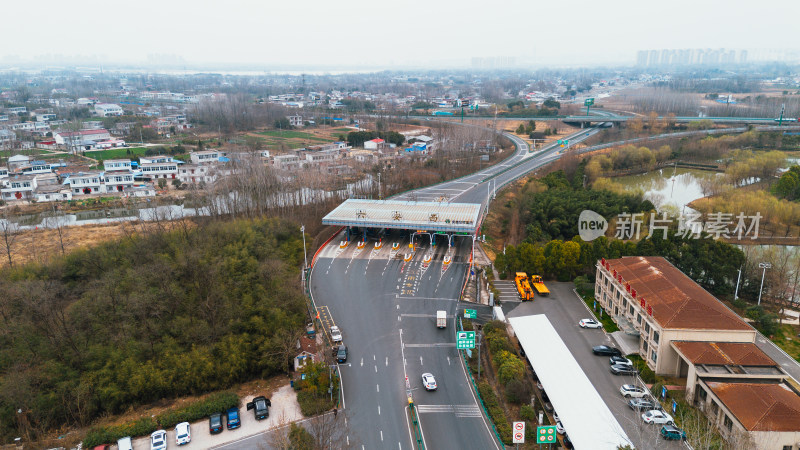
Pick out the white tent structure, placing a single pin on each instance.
(584, 414)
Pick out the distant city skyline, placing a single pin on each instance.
(362, 34)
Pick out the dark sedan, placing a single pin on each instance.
(215, 423)
(641, 404)
(606, 350)
(623, 369)
(233, 418)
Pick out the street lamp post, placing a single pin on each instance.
(736, 293)
(305, 254)
(764, 266)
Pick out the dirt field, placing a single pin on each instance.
(40, 245)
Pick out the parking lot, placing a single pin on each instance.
(564, 310)
(284, 409)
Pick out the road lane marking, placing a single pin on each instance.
(448, 360)
(420, 360)
(435, 345)
(381, 435)
(378, 387)
(376, 369)
(379, 410)
(387, 361)
(362, 362)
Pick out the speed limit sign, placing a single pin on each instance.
(519, 433)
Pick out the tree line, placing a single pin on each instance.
(152, 316)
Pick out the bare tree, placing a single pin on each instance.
(9, 231)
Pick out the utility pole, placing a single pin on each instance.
(379, 186)
(780, 120)
(305, 254)
(764, 266)
(479, 355)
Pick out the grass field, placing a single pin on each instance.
(116, 153)
(290, 134)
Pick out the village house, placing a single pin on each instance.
(295, 120)
(205, 156)
(155, 167)
(108, 110)
(85, 182)
(197, 173)
(7, 138)
(374, 144)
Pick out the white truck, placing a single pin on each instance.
(441, 319)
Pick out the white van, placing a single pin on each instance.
(441, 319)
(125, 443)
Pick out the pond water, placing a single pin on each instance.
(669, 188)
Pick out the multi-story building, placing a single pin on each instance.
(155, 167)
(86, 182)
(205, 156)
(295, 120)
(197, 173)
(650, 297)
(108, 110)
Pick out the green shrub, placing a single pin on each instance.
(216, 402)
(526, 412)
(299, 437)
(496, 412)
(513, 369)
(108, 435)
(518, 392)
(311, 404)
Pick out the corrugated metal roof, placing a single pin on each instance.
(724, 353)
(677, 301)
(761, 407)
(429, 216)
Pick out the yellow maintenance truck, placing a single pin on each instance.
(538, 284)
(523, 287)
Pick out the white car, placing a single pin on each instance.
(183, 433)
(429, 382)
(629, 390)
(336, 335)
(657, 417)
(589, 323)
(158, 440)
(560, 428)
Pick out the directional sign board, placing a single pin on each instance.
(465, 340)
(588, 102)
(519, 433)
(470, 314)
(546, 434)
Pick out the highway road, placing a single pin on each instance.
(386, 310)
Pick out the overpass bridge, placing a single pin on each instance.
(595, 119)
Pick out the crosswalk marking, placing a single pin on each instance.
(458, 410)
(440, 344)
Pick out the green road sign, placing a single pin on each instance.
(546, 434)
(470, 314)
(588, 102)
(465, 340)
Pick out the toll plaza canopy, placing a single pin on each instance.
(428, 216)
(585, 416)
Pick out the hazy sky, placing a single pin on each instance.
(417, 33)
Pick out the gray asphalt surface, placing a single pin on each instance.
(565, 310)
(386, 310)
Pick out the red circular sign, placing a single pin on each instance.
(519, 426)
(18, 195)
(518, 436)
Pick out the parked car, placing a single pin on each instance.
(559, 428)
(215, 423)
(555, 417)
(341, 354)
(548, 406)
(233, 419)
(183, 433)
(429, 382)
(589, 323)
(672, 433)
(260, 406)
(568, 442)
(641, 404)
(630, 390)
(620, 360)
(158, 440)
(336, 335)
(125, 443)
(657, 416)
(606, 350)
(623, 369)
